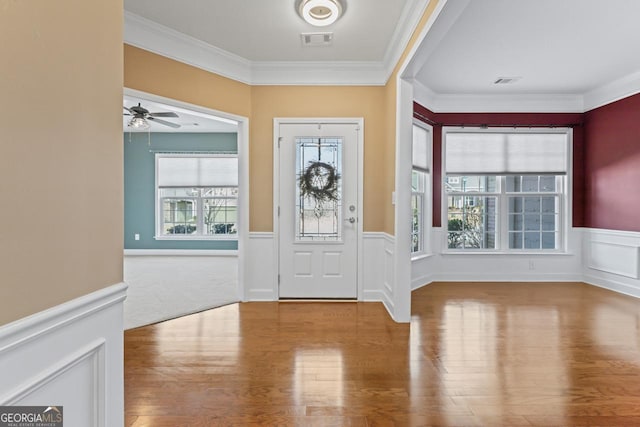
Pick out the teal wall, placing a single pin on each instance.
(139, 184)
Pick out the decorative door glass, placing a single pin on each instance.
(319, 189)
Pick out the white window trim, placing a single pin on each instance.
(421, 218)
(427, 205)
(158, 210)
(566, 198)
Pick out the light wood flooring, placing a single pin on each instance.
(475, 354)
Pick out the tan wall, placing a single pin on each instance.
(162, 76)
(60, 152)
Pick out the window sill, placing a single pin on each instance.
(421, 256)
(510, 253)
(180, 252)
(197, 238)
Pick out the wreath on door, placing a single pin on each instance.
(319, 182)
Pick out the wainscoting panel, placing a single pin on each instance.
(261, 275)
(70, 355)
(508, 267)
(612, 260)
(388, 288)
(373, 282)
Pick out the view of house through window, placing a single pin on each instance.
(510, 200)
(524, 210)
(197, 196)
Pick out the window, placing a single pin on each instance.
(419, 187)
(471, 217)
(417, 211)
(197, 196)
(509, 197)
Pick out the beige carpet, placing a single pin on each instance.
(166, 287)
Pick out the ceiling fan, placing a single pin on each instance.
(141, 115)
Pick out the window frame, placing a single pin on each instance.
(421, 196)
(427, 185)
(198, 203)
(563, 192)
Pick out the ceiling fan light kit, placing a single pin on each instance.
(138, 123)
(142, 116)
(320, 13)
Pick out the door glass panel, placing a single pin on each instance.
(319, 189)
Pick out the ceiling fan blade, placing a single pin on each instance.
(128, 109)
(163, 122)
(165, 114)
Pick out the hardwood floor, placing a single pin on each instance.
(475, 354)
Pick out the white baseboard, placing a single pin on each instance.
(419, 282)
(613, 285)
(70, 355)
(261, 295)
(507, 277)
(373, 295)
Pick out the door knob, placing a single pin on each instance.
(351, 220)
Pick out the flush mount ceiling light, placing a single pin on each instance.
(320, 13)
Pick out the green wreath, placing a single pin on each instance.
(319, 182)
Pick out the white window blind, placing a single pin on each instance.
(420, 149)
(197, 171)
(487, 153)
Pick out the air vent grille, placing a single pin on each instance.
(316, 39)
(506, 80)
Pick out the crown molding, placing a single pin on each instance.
(613, 91)
(407, 24)
(527, 103)
(148, 35)
(317, 73)
(516, 103)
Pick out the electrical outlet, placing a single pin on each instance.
(136, 236)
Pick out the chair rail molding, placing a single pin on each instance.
(70, 355)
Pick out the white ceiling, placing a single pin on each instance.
(269, 30)
(570, 55)
(567, 48)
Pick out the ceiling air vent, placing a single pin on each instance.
(506, 80)
(316, 39)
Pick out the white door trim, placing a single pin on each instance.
(359, 121)
(243, 176)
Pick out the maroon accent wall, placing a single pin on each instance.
(438, 120)
(612, 165)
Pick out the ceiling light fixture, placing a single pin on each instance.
(320, 13)
(139, 123)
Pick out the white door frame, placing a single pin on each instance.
(243, 177)
(359, 121)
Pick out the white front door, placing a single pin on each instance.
(318, 209)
